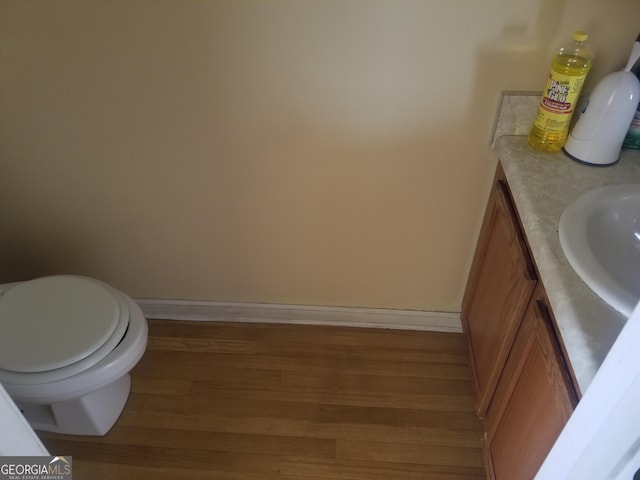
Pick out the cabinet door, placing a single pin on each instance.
(533, 401)
(501, 282)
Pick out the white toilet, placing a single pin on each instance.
(67, 344)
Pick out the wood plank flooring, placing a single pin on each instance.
(265, 402)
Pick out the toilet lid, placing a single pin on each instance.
(53, 322)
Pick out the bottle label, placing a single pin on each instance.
(558, 101)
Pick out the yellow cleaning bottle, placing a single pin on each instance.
(569, 68)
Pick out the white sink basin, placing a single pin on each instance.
(600, 236)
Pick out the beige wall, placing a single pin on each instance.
(314, 152)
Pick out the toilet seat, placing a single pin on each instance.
(63, 325)
(115, 365)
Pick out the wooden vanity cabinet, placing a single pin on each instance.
(533, 400)
(525, 394)
(501, 282)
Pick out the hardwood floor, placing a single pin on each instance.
(263, 402)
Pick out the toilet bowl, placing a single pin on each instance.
(67, 344)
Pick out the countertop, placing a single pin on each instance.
(542, 185)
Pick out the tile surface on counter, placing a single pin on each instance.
(542, 186)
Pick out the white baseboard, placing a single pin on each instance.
(298, 314)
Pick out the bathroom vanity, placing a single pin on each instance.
(536, 333)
